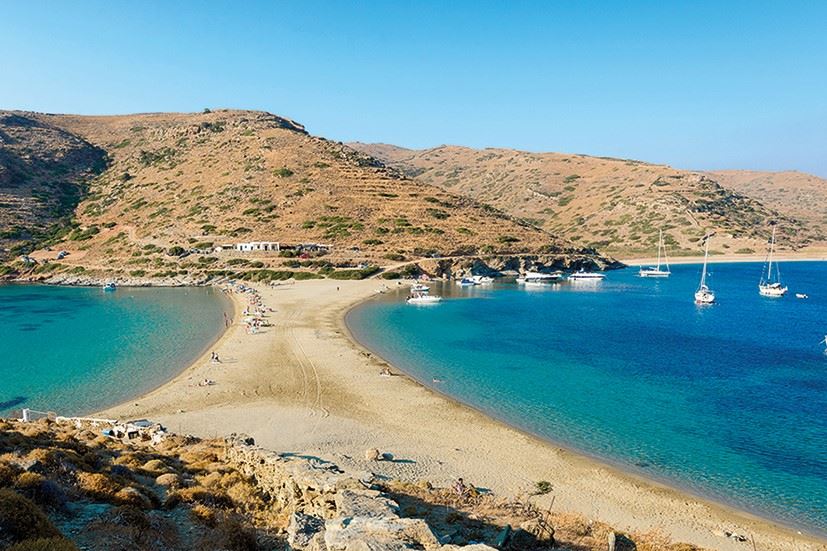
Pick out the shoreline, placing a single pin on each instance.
(306, 385)
(619, 468)
(809, 256)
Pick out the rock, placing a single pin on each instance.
(168, 480)
(365, 503)
(473, 547)
(373, 454)
(612, 541)
(374, 534)
(155, 466)
(303, 529)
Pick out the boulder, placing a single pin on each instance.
(365, 503)
(374, 534)
(373, 454)
(168, 480)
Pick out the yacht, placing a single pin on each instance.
(769, 286)
(704, 294)
(538, 278)
(657, 271)
(583, 275)
(423, 298)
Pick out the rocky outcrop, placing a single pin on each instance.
(330, 509)
(499, 265)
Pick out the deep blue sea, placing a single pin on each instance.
(728, 401)
(76, 350)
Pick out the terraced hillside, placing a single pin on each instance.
(177, 183)
(42, 175)
(615, 205)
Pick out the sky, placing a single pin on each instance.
(698, 85)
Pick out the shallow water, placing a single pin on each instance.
(76, 350)
(727, 401)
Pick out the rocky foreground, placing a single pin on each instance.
(68, 486)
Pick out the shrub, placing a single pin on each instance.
(354, 274)
(542, 487)
(44, 544)
(283, 172)
(20, 519)
(175, 251)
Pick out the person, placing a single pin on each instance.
(459, 487)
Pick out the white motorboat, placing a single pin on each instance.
(482, 280)
(801, 295)
(769, 286)
(465, 282)
(538, 278)
(110, 286)
(704, 294)
(420, 288)
(657, 271)
(583, 275)
(423, 298)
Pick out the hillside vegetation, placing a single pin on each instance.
(178, 182)
(64, 486)
(616, 205)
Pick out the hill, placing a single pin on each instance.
(175, 186)
(616, 205)
(795, 194)
(42, 173)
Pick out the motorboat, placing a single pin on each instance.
(583, 275)
(465, 282)
(110, 286)
(423, 298)
(538, 278)
(657, 270)
(420, 288)
(801, 295)
(482, 280)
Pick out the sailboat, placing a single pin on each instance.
(768, 287)
(656, 271)
(704, 294)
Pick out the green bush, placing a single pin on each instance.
(354, 274)
(283, 172)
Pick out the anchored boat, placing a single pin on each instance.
(583, 275)
(657, 271)
(538, 278)
(769, 286)
(704, 295)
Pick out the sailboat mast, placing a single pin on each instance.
(706, 255)
(660, 243)
(769, 264)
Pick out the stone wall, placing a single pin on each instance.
(331, 510)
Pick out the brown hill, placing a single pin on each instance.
(617, 205)
(42, 173)
(795, 194)
(181, 181)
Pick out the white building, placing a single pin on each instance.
(257, 246)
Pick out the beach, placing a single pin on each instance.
(302, 385)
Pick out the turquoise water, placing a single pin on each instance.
(727, 401)
(77, 350)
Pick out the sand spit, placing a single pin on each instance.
(301, 385)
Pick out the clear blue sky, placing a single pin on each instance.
(703, 85)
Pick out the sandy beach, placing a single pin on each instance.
(808, 255)
(303, 386)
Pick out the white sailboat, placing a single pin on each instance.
(704, 294)
(657, 271)
(769, 287)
